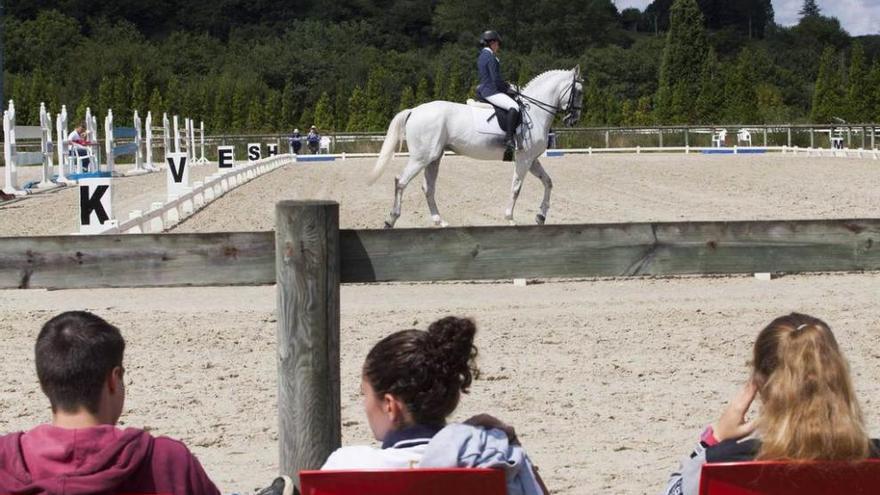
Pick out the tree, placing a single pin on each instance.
(357, 111)
(238, 117)
(272, 112)
(828, 95)
(594, 103)
(858, 92)
(324, 113)
(422, 94)
(157, 105)
(378, 95)
(122, 111)
(682, 63)
(810, 9)
(740, 89)
(288, 106)
(222, 111)
(255, 121)
(79, 115)
(873, 110)
(407, 99)
(139, 92)
(454, 90)
(105, 98)
(174, 97)
(710, 103)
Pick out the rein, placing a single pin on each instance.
(553, 109)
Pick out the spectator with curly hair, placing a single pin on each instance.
(412, 380)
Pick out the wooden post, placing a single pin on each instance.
(864, 137)
(687, 140)
(873, 132)
(789, 136)
(307, 277)
(812, 138)
(660, 133)
(607, 138)
(765, 136)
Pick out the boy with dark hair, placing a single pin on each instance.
(79, 365)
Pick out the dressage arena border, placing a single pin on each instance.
(308, 257)
(164, 215)
(732, 150)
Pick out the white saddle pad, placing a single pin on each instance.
(482, 121)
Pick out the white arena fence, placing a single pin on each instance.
(33, 145)
(841, 140)
(164, 215)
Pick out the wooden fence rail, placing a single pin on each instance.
(460, 253)
(309, 256)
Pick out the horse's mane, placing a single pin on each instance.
(544, 75)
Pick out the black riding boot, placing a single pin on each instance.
(509, 141)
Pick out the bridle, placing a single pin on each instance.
(570, 106)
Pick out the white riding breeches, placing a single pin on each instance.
(503, 101)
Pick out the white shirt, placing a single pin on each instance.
(73, 137)
(366, 457)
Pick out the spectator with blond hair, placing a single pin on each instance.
(810, 411)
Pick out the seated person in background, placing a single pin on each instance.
(411, 381)
(314, 140)
(79, 366)
(809, 411)
(295, 141)
(79, 145)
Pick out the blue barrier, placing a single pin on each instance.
(125, 149)
(89, 175)
(555, 153)
(739, 151)
(315, 158)
(124, 132)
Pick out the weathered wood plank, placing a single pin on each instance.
(152, 260)
(461, 253)
(610, 250)
(307, 260)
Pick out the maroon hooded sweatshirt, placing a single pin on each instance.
(98, 460)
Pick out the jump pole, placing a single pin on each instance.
(307, 277)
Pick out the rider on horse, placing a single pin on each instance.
(492, 87)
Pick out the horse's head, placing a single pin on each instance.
(571, 101)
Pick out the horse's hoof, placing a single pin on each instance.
(540, 219)
(511, 222)
(388, 225)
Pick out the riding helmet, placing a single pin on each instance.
(489, 36)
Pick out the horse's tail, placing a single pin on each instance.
(395, 136)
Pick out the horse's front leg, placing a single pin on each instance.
(518, 174)
(538, 171)
(429, 187)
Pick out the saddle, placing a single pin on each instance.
(500, 114)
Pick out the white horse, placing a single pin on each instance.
(437, 126)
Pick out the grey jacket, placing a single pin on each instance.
(460, 445)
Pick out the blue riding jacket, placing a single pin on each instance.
(489, 69)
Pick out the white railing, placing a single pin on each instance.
(163, 215)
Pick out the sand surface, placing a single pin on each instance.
(608, 382)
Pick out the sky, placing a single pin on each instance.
(858, 17)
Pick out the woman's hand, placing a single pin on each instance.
(732, 423)
(488, 421)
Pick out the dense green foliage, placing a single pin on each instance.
(268, 65)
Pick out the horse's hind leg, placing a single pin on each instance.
(515, 188)
(400, 182)
(538, 171)
(431, 172)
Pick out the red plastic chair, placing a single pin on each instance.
(459, 481)
(790, 478)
